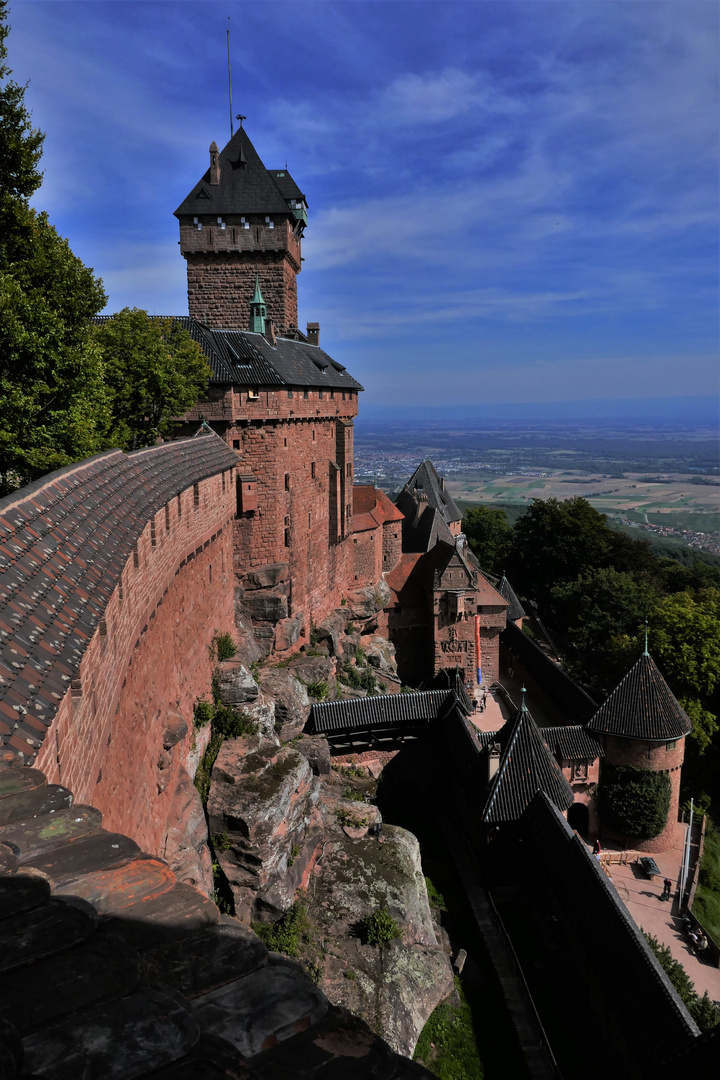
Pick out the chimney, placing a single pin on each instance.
(313, 333)
(442, 483)
(214, 163)
(270, 331)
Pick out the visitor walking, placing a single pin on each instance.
(667, 889)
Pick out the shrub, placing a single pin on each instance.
(286, 935)
(294, 852)
(231, 724)
(224, 646)
(203, 713)
(380, 928)
(204, 770)
(318, 690)
(634, 801)
(436, 898)
(221, 841)
(351, 793)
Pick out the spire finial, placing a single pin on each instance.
(646, 653)
(523, 706)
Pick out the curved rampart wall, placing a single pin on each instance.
(117, 573)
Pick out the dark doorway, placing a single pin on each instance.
(578, 818)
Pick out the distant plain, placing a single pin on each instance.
(665, 472)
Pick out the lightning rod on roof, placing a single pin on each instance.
(229, 78)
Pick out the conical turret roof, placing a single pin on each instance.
(643, 707)
(526, 767)
(515, 609)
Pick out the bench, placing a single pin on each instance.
(650, 867)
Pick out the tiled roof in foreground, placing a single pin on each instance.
(642, 706)
(110, 966)
(64, 542)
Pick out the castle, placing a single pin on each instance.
(252, 520)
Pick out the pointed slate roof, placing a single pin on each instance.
(643, 707)
(427, 481)
(246, 186)
(515, 608)
(526, 767)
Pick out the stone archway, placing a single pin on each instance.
(579, 818)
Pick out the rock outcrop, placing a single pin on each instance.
(264, 823)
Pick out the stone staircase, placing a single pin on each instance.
(111, 968)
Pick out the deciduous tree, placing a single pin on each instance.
(154, 372)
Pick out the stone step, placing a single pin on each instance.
(210, 1059)
(29, 804)
(44, 931)
(262, 1009)
(123, 1039)
(17, 779)
(341, 1047)
(113, 889)
(205, 960)
(168, 916)
(39, 994)
(36, 835)
(69, 862)
(21, 892)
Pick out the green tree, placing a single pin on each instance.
(553, 542)
(596, 618)
(154, 372)
(684, 640)
(53, 404)
(489, 536)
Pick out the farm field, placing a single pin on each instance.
(665, 500)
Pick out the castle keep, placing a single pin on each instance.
(118, 575)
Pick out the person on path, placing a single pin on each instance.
(667, 889)
(597, 849)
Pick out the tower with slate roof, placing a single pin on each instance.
(240, 222)
(643, 725)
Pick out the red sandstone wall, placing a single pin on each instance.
(658, 758)
(148, 658)
(222, 265)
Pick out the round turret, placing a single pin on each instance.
(643, 726)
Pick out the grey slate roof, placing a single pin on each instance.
(572, 743)
(515, 608)
(246, 186)
(380, 711)
(64, 542)
(643, 707)
(240, 357)
(526, 767)
(427, 481)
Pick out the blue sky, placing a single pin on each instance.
(508, 201)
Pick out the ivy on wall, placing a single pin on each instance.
(634, 801)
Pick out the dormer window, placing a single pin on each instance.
(253, 393)
(221, 223)
(270, 224)
(197, 224)
(244, 224)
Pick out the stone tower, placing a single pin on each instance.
(643, 725)
(242, 222)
